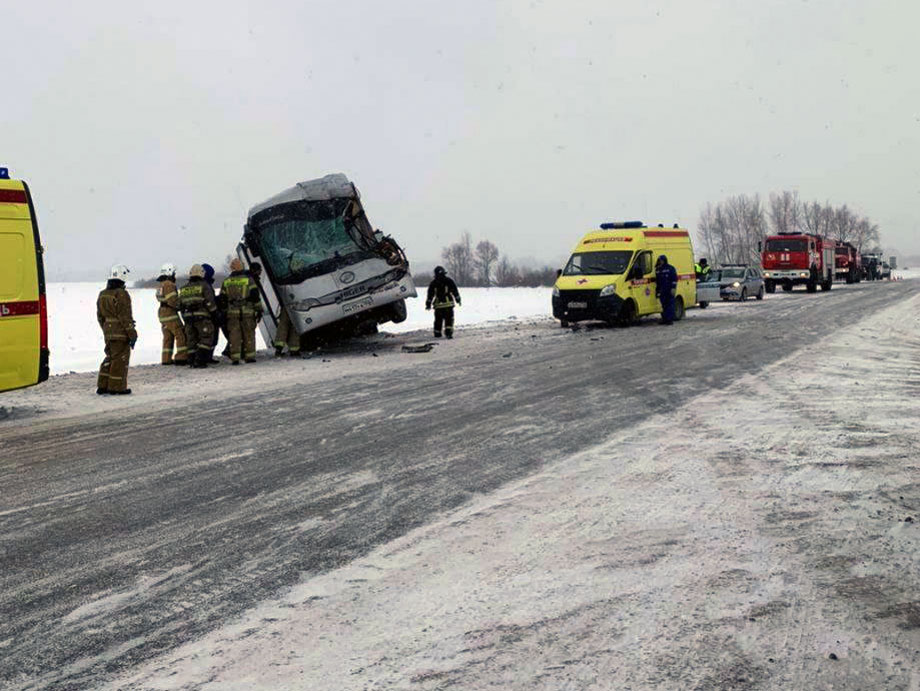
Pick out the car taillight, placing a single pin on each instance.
(43, 322)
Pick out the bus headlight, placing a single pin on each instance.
(608, 290)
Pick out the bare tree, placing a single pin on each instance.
(785, 212)
(506, 274)
(485, 259)
(458, 259)
(733, 228)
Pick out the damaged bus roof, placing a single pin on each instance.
(334, 186)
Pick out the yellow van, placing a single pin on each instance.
(611, 274)
(23, 310)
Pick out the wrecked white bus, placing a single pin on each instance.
(323, 261)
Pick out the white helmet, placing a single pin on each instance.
(119, 271)
(168, 269)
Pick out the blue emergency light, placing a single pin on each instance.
(625, 224)
(4, 173)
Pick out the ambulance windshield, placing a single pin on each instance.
(305, 239)
(597, 263)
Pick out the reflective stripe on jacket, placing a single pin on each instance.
(241, 293)
(113, 312)
(168, 297)
(195, 300)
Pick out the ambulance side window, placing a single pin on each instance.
(645, 261)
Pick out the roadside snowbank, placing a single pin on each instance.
(76, 340)
(738, 542)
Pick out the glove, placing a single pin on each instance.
(427, 305)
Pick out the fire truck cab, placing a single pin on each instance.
(791, 259)
(848, 266)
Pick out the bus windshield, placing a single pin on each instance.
(597, 263)
(300, 240)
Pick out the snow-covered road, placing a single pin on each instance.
(722, 504)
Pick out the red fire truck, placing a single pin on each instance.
(848, 263)
(791, 259)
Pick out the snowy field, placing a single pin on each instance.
(76, 340)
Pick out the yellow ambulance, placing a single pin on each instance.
(611, 274)
(23, 310)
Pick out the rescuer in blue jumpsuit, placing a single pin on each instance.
(665, 288)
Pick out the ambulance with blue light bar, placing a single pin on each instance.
(610, 276)
(23, 310)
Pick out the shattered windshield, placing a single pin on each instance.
(300, 240)
(597, 263)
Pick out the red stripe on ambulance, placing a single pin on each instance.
(19, 309)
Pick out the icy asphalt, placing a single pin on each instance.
(127, 532)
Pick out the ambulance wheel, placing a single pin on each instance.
(563, 323)
(704, 305)
(679, 312)
(760, 293)
(628, 315)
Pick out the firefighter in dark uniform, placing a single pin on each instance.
(244, 308)
(443, 296)
(170, 321)
(113, 312)
(665, 288)
(196, 302)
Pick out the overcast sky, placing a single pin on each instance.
(147, 129)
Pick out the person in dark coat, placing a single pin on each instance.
(666, 288)
(443, 296)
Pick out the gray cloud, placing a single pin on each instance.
(147, 129)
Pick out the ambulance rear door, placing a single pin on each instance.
(23, 310)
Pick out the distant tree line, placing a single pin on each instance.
(484, 265)
(732, 229)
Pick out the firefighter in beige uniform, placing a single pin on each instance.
(170, 321)
(244, 309)
(196, 302)
(286, 335)
(113, 312)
